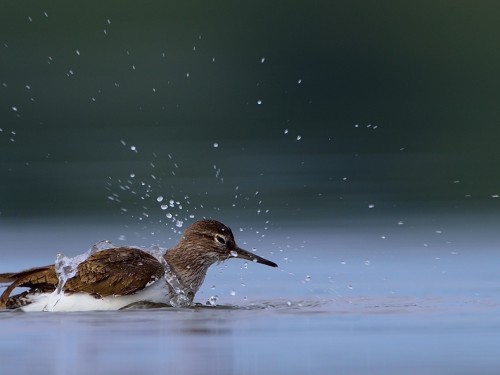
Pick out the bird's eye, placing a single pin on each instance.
(220, 239)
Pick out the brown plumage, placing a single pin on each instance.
(127, 270)
(116, 271)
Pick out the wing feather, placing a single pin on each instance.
(116, 271)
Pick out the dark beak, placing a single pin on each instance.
(247, 255)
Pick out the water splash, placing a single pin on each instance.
(180, 297)
(66, 268)
(212, 301)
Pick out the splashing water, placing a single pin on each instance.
(66, 268)
(212, 301)
(180, 297)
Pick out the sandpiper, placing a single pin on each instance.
(114, 278)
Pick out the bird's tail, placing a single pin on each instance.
(6, 278)
(31, 278)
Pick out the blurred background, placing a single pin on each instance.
(269, 112)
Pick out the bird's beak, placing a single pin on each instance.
(247, 255)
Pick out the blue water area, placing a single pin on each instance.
(349, 337)
(410, 296)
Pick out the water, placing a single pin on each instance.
(352, 338)
(344, 300)
(353, 147)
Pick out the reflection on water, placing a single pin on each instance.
(359, 335)
(373, 297)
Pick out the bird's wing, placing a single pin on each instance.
(115, 271)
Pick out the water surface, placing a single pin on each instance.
(343, 301)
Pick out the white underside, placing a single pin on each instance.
(157, 293)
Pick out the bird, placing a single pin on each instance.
(124, 276)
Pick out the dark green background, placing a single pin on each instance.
(425, 74)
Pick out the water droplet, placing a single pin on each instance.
(216, 145)
(232, 292)
(160, 198)
(286, 131)
(308, 278)
(234, 253)
(179, 223)
(212, 301)
(299, 81)
(288, 303)
(14, 109)
(299, 138)
(259, 102)
(164, 206)
(371, 205)
(133, 148)
(77, 52)
(262, 60)
(169, 215)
